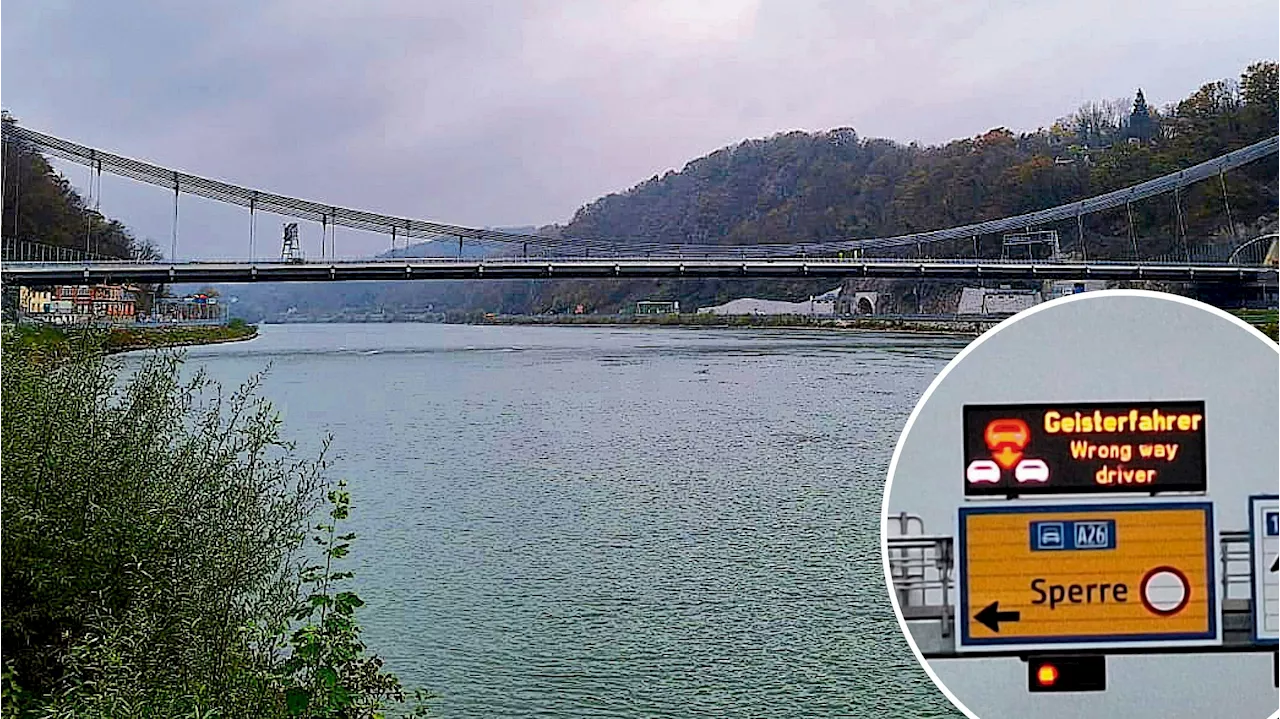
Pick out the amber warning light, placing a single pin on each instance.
(1146, 447)
(1067, 674)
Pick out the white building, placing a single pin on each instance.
(823, 305)
(1003, 301)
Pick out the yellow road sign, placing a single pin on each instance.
(1087, 575)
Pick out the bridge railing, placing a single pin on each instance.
(1237, 565)
(70, 258)
(1249, 253)
(15, 250)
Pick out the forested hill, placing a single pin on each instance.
(798, 187)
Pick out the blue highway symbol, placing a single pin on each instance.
(1076, 534)
(1050, 534)
(1093, 535)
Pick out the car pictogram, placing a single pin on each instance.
(1031, 470)
(1007, 433)
(982, 471)
(1006, 438)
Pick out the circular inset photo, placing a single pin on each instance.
(1081, 516)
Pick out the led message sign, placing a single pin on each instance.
(1115, 447)
(1086, 576)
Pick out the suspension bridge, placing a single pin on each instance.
(507, 255)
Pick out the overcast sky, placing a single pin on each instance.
(490, 113)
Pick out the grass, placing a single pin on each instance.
(123, 339)
(1265, 320)
(1257, 316)
(120, 340)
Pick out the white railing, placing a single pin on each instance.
(630, 259)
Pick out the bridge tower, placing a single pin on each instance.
(291, 249)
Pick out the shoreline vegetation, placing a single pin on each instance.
(115, 340)
(169, 552)
(940, 325)
(1263, 320)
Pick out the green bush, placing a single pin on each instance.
(328, 673)
(152, 560)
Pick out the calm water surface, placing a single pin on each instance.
(615, 522)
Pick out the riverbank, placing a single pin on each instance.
(127, 340)
(1264, 320)
(120, 339)
(941, 325)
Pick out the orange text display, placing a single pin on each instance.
(1149, 447)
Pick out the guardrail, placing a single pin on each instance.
(605, 259)
(39, 253)
(833, 269)
(1237, 565)
(921, 566)
(27, 251)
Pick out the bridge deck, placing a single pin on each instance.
(35, 273)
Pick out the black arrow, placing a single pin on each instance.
(991, 616)
(1275, 566)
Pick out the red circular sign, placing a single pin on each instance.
(1145, 587)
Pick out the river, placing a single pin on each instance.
(615, 522)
